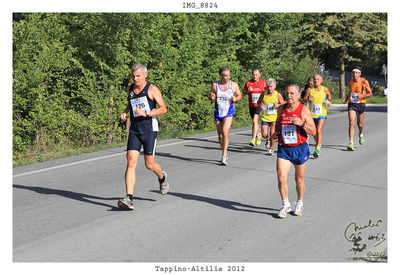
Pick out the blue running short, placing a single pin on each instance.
(229, 114)
(148, 141)
(318, 118)
(266, 123)
(297, 155)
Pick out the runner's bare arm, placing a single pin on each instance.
(261, 98)
(277, 132)
(307, 95)
(368, 88)
(237, 92)
(309, 125)
(123, 115)
(328, 95)
(346, 98)
(154, 94)
(280, 99)
(213, 91)
(126, 111)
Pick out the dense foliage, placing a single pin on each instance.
(70, 71)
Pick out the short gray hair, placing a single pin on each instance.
(297, 87)
(270, 81)
(139, 67)
(223, 69)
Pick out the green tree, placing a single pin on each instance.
(349, 37)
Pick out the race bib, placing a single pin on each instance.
(269, 109)
(289, 134)
(316, 109)
(223, 103)
(140, 103)
(255, 97)
(354, 98)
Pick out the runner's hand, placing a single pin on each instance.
(297, 121)
(140, 112)
(123, 117)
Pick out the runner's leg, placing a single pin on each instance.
(256, 127)
(360, 123)
(226, 126)
(318, 141)
(130, 173)
(282, 168)
(271, 132)
(352, 120)
(153, 166)
(219, 125)
(300, 171)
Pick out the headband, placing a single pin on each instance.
(356, 70)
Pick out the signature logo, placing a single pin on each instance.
(365, 237)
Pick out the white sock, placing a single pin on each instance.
(286, 202)
(361, 135)
(300, 202)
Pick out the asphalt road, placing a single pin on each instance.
(65, 210)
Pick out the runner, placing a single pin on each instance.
(268, 104)
(292, 126)
(319, 98)
(225, 92)
(310, 83)
(359, 91)
(142, 100)
(253, 88)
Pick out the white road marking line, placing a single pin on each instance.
(105, 157)
(122, 153)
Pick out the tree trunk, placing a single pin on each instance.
(342, 79)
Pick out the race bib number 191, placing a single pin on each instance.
(289, 134)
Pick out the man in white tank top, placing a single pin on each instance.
(225, 92)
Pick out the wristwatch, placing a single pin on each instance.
(304, 124)
(147, 113)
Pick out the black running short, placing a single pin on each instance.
(148, 141)
(254, 110)
(359, 108)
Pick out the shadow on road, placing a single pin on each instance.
(377, 108)
(231, 205)
(199, 139)
(75, 196)
(209, 161)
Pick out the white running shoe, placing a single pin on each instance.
(267, 145)
(126, 203)
(270, 152)
(164, 187)
(284, 210)
(224, 160)
(298, 209)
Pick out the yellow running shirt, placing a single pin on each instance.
(318, 105)
(268, 111)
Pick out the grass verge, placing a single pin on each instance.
(79, 151)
